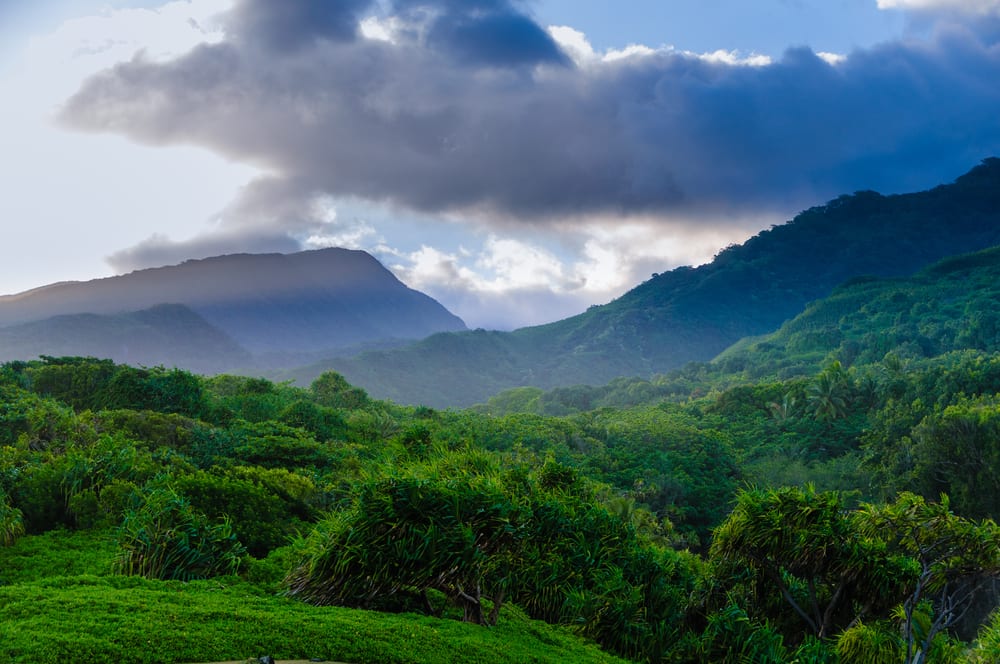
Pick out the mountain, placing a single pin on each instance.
(692, 314)
(167, 334)
(942, 315)
(286, 306)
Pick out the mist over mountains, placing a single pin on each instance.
(227, 313)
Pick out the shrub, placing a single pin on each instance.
(11, 522)
(260, 519)
(869, 644)
(165, 538)
(409, 535)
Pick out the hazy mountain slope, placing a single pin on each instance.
(695, 313)
(952, 305)
(168, 334)
(888, 324)
(311, 301)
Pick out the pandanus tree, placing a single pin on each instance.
(909, 560)
(804, 544)
(955, 558)
(409, 535)
(480, 534)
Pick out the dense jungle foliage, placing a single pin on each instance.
(840, 516)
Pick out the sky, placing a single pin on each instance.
(517, 160)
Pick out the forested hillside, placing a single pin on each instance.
(952, 305)
(692, 314)
(785, 520)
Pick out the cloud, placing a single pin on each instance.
(470, 111)
(159, 249)
(427, 124)
(268, 215)
(293, 24)
(506, 283)
(489, 33)
(968, 6)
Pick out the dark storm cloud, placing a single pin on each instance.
(160, 250)
(495, 36)
(292, 24)
(449, 117)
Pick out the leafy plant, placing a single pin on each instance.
(11, 522)
(165, 538)
(406, 534)
(869, 644)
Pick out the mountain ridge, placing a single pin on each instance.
(301, 304)
(692, 314)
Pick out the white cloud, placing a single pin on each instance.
(328, 230)
(575, 44)
(380, 28)
(632, 51)
(510, 264)
(832, 59)
(733, 58)
(69, 198)
(967, 6)
(359, 236)
(509, 282)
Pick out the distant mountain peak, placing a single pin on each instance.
(302, 303)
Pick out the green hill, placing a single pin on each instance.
(692, 314)
(78, 612)
(882, 323)
(952, 305)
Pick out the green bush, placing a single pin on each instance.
(260, 519)
(152, 429)
(322, 422)
(275, 445)
(869, 644)
(11, 522)
(38, 492)
(410, 535)
(165, 538)
(732, 638)
(986, 649)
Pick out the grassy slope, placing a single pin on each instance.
(77, 613)
(693, 314)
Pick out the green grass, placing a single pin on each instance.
(92, 618)
(57, 553)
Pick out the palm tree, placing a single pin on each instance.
(829, 394)
(784, 411)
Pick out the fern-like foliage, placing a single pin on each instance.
(165, 538)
